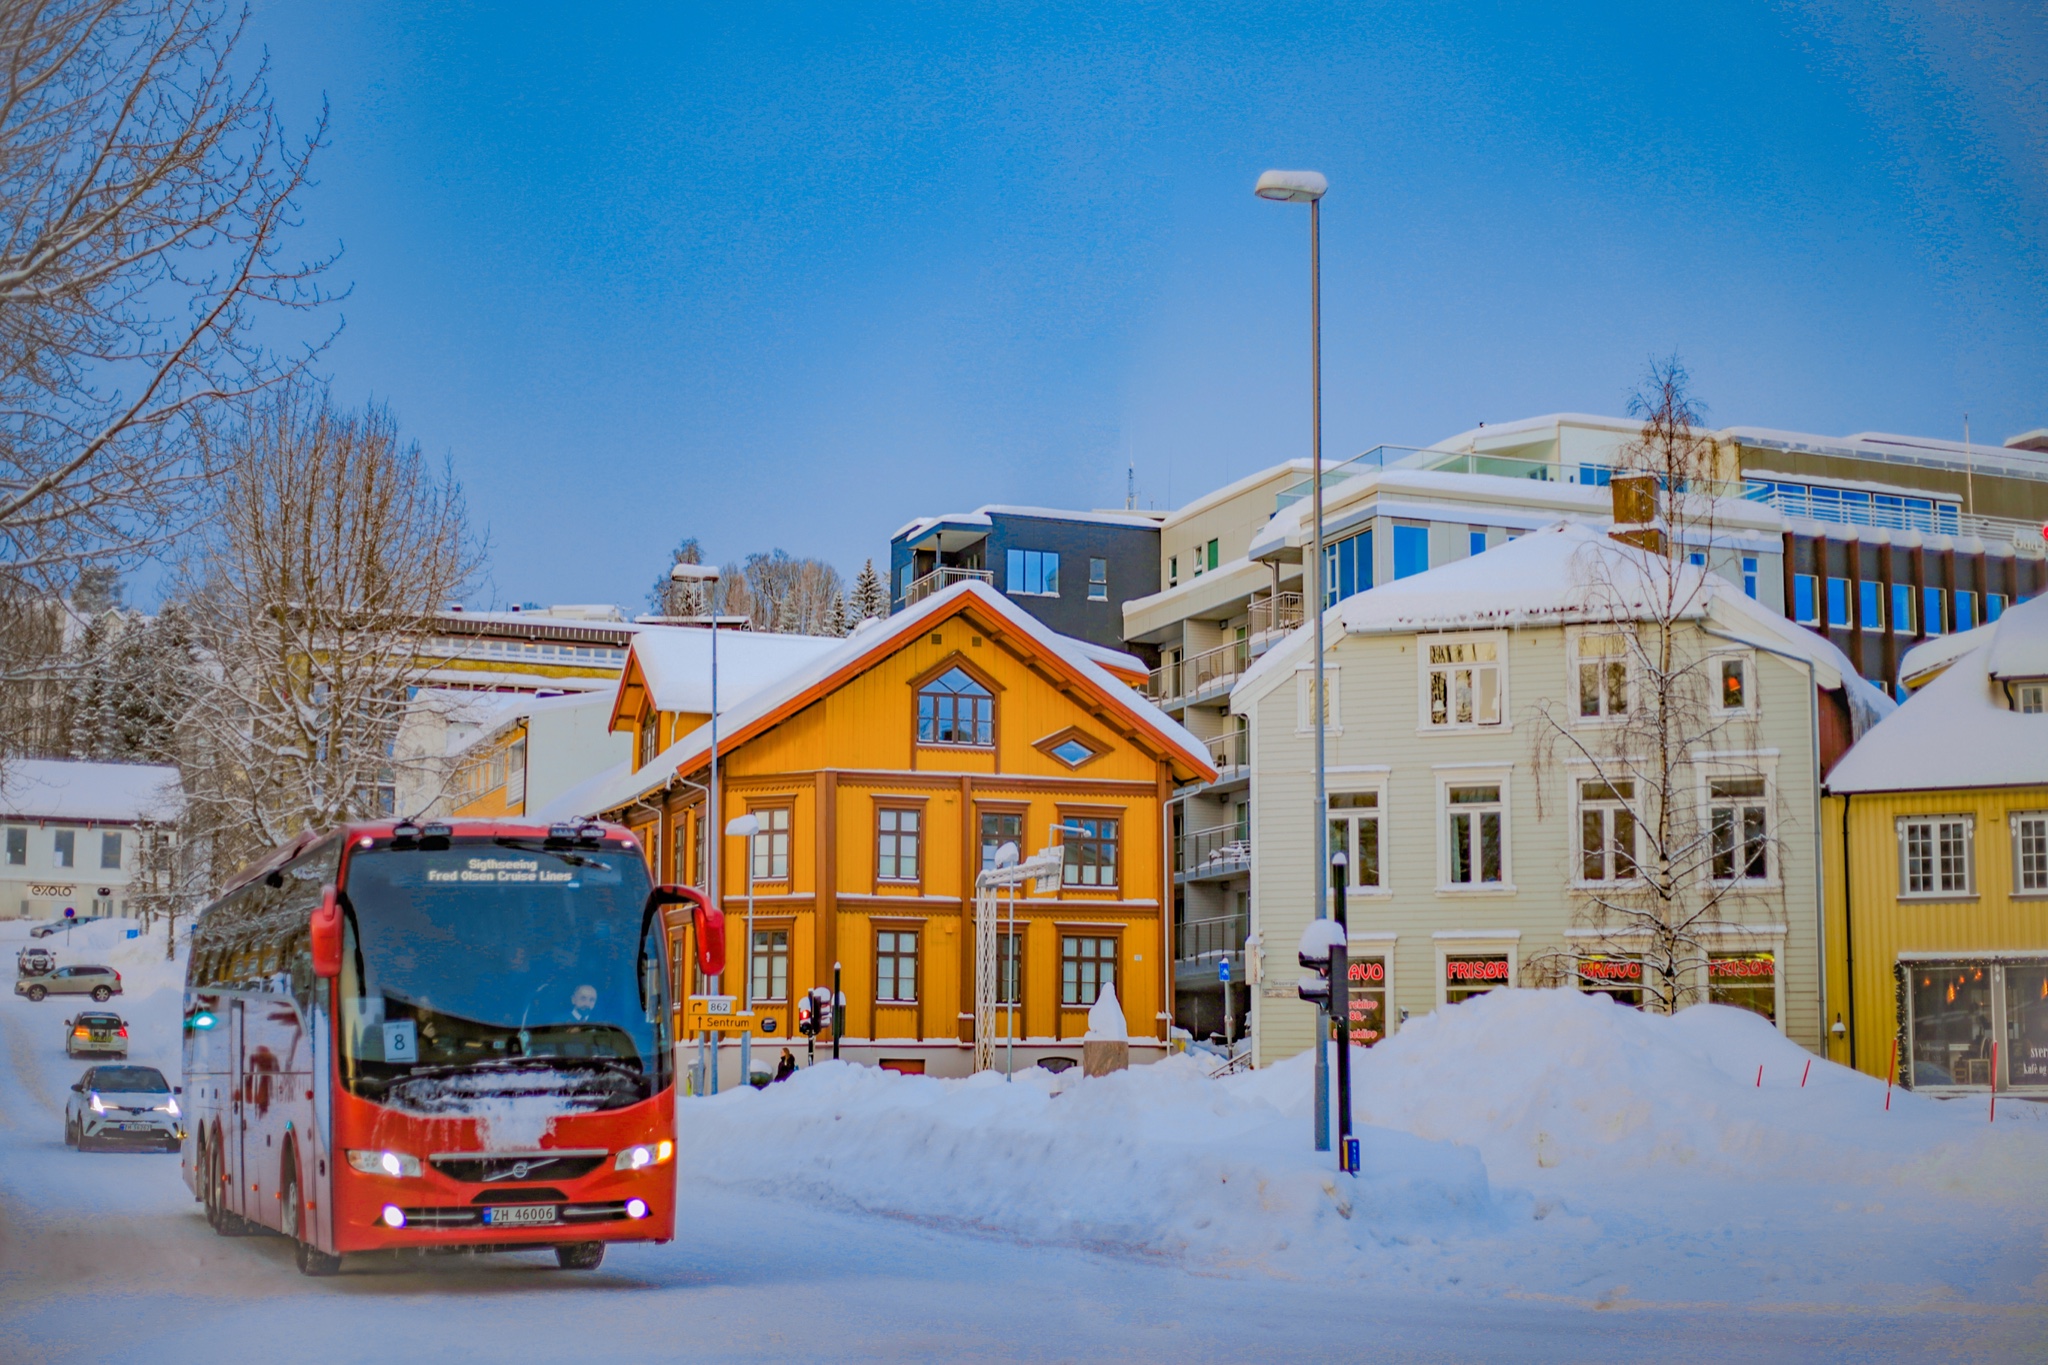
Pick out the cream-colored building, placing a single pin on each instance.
(1457, 706)
(72, 835)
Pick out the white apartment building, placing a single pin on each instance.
(69, 836)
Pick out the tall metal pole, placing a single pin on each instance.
(716, 832)
(1322, 705)
(747, 984)
(1009, 971)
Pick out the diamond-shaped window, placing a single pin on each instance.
(1072, 752)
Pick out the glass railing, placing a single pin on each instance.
(1220, 852)
(1230, 751)
(1274, 613)
(1210, 939)
(1198, 673)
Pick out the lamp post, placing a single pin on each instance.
(746, 827)
(1308, 187)
(706, 576)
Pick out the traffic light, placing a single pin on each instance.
(1317, 940)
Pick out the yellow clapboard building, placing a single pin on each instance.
(884, 772)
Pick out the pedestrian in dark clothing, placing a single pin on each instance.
(785, 1068)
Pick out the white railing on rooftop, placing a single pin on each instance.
(1853, 507)
(938, 580)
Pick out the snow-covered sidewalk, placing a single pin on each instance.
(1528, 1142)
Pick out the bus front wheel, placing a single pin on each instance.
(579, 1255)
(312, 1260)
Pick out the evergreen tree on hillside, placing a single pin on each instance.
(870, 597)
(836, 623)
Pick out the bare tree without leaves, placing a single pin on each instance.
(145, 192)
(330, 543)
(1673, 852)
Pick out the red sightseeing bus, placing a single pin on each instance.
(439, 1036)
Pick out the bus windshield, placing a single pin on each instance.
(501, 968)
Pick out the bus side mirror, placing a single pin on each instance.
(704, 918)
(327, 934)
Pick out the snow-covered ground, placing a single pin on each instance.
(1546, 1178)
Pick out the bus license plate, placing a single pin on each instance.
(504, 1215)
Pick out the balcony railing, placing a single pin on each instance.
(1852, 507)
(938, 580)
(1223, 851)
(1273, 614)
(1210, 939)
(1198, 673)
(1230, 752)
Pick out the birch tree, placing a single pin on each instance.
(330, 544)
(1670, 850)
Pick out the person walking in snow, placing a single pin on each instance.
(785, 1068)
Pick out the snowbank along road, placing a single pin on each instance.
(1547, 1177)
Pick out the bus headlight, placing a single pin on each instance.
(384, 1163)
(646, 1154)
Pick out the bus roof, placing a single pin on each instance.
(384, 829)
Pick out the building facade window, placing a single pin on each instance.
(1805, 601)
(1098, 580)
(1749, 575)
(1367, 975)
(1935, 856)
(1902, 608)
(896, 835)
(1213, 559)
(1620, 979)
(1739, 829)
(1607, 831)
(1173, 571)
(110, 850)
(1347, 567)
(1602, 667)
(1010, 967)
(1087, 968)
(1034, 573)
(1747, 981)
(66, 848)
(1870, 604)
(955, 709)
(2032, 698)
(1734, 690)
(1467, 975)
(896, 966)
(770, 966)
(1304, 700)
(1838, 602)
(1959, 1009)
(1090, 845)
(1933, 611)
(1411, 550)
(771, 844)
(999, 827)
(1464, 684)
(1994, 606)
(1475, 835)
(17, 847)
(1966, 611)
(1355, 832)
(1475, 541)
(2030, 851)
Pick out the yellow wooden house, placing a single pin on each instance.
(1936, 841)
(885, 770)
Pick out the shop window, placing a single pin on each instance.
(1951, 1029)
(1602, 666)
(1467, 976)
(771, 844)
(1740, 829)
(1473, 829)
(1091, 846)
(955, 709)
(1935, 856)
(770, 965)
(896, 833)
(896, 966)
(1465, 684)
(1745, 980)
(1620, 979)
(1367, 978)
(2030, 852)
(1607, 831)
(1355, 832)
(1087, 968)
(2026, 1023)
(1933, 611)
(999, 827)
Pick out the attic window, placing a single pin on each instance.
(1074, 753)
(2032, 698)
(955, 709)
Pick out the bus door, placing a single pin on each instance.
(235, 1155)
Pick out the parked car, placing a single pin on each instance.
(101, 983)
(56, 926)
(34, 962)
(95, 1033)
(123, 1106)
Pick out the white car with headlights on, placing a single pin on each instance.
(124, 1106)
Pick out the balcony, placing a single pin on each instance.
(1210, 940)
(1273, 614)
(938, 580)
(1853, 507)
(1230, 753)
(1199, 676)
(1212, 854)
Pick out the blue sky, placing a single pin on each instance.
(788, 276)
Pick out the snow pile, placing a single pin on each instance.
(1532, 1141)
(1106, 1019)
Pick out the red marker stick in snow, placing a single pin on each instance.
(1759, 1076)
(1803, 1075)
(1994, 1081)
(1891, 1071)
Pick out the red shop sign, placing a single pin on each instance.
(1482, 969)
(1743, 966)
(1370, 970)
(1610, 969)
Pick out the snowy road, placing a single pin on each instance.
(105, 1256)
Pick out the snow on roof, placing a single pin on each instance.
(582, 799)
(1954, 732)
(511, 710)
(984, 516)
(676, 663)
(881, 638)
(2019, 642)
(1919, 664)
(1566, 574)
(47, 789)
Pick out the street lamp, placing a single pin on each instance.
(746, 827)
(706, 576)
(1308, 187)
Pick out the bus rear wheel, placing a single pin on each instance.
(224, 1222)
(579, 1255)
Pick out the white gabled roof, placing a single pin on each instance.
(1919, 664)
(1567, 574)
(675, 661)
(582, 799)
(115, 793)
(980, 516)
(524, 707)
(2019, 641)
(875, 639)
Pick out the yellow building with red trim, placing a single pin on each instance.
(885, 770)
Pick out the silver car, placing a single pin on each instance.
(126, 1106)
(95, 1033)
(101, 983)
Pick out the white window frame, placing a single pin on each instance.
(1715, 662)
(1378, 814)
(1749, 938)
(1425, 671)
(2030, 691)
(1934, 824)
(1452, 943)
(1475, 776)
(1579, 807)
(2013, 822)
(1712, 770)
(1333, 700)
(1577, 661)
